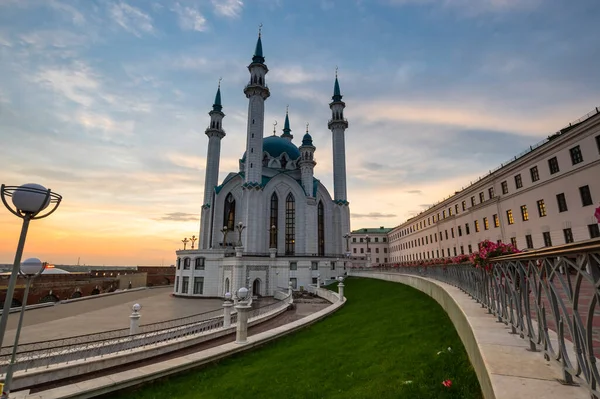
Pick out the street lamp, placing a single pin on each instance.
(185, 241)
(347, 237)
(30, 269)
(240, 227)
(193, 239)
(29, 201)
(273, 237)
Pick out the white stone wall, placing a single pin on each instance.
(567, 181)
(256, 116)
(339, 163)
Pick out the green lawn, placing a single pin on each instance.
(383, 343)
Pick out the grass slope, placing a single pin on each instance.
(386, 334)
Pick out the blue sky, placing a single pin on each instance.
(106, 102)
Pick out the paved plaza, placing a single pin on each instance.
(103, 314)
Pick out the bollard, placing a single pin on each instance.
(227, 305)
(134, 319)
(341, 288)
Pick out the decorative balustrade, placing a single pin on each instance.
(47, 353)
(536, 293)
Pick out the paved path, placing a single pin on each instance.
(103, 314)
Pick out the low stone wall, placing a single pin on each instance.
(110, 383)
(504, 367)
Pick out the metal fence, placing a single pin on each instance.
(536, 293)
(45, 354)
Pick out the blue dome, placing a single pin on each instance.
(275, 146)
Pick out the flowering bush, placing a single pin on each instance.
(489, 249)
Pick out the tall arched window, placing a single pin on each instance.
(290, 225)
(229, 212)
(321, 228)
(273, 221)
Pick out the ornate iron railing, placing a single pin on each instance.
(44, 354)
(549, 297)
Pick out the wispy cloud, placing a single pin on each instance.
(296, 74)
(473, 7)
(228, 8)
(131, 19)
(190, 18)
(179, 217)
(373, 215)
(76, 82)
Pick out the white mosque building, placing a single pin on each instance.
(272, 222)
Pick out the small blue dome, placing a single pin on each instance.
(275, 146)
(307, 139)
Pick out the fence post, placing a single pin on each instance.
(134, 319)
(341, 288)
(227, 305)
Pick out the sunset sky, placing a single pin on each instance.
(106, 103)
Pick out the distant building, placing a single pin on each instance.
(292, 228)
(369, 246)
(56, 284)
(545, 197)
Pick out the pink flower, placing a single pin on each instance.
(447, 383)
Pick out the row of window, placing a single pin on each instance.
(553, 167)
(593, 230)
(198, 263)
(586, 200)
(369, 239)
(185, 282)
(313, 265)
(362, 250)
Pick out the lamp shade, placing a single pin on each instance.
(136, 307)
(228, 295)
(30, 198)
(242, 293)
(31, 266)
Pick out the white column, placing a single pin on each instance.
(341, 290)
(241, 332)
(227, 305)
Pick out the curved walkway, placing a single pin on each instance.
(504, 366)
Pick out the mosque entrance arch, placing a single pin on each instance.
(256, 287)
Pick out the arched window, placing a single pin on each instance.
(321, 228)
(199, 264)
(290, 225)
(178, 264)
(273, 221)
(229, 212)
(260, 80)
(266, 160)
(226, 285)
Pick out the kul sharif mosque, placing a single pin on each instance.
(272, 222)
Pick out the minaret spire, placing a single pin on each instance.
(287, 132)
(338, 126)
(258, 51)
(215, 133)
(307, 164)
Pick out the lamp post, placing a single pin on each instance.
(185, 241)
(30, 269)
(193, 239)
(347, 237)
(224, 230)
(29, 201)
(240, 227)
(134, 319)
(273, 243)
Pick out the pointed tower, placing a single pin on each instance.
(338, 126)
(287, 132)
(215, 133)
(307, 163)
(257, 92)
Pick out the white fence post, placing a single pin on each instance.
(134, 319)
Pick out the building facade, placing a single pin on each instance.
(543, 198)
(370, 246)
(271, 221)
